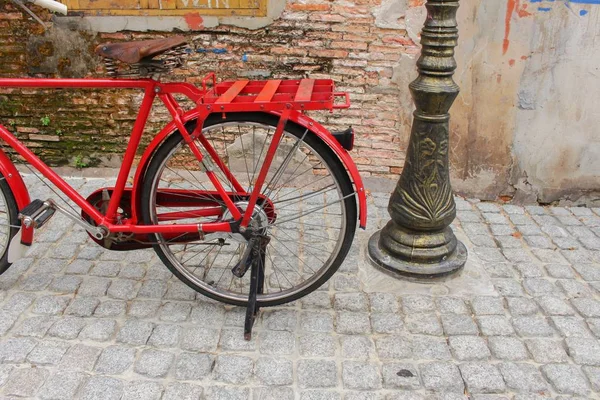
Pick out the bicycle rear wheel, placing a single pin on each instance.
(9, 222)
(308, 209)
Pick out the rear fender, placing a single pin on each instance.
(17, 186)
(295, 117)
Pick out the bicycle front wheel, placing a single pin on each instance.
(307, 208)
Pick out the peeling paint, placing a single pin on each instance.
(194, 21)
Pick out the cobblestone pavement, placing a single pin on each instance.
(521, 322)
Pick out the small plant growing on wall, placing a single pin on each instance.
(45, 120)
(80, 162)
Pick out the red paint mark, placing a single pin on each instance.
(524, 58)
(499, 78)
(510, 9)
(416, 3)
(511, 62)
(523, 11)
(194, 21)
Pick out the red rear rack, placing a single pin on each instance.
(273, 95)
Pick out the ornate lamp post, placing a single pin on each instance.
(418, 241)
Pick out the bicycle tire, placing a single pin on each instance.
(7, 201)
(347, 204)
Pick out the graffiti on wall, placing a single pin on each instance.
(528, 8)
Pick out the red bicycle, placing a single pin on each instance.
(242, 181)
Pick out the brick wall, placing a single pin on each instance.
(311, 39)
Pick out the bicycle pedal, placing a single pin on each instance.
(36, 214)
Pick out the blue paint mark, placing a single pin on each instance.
(544, 9)
(245, 57)
(583, 12)
(216, 51)
(584, 1)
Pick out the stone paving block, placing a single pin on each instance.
(80, 357)
(532, 326)
(523, 378)
(50, 305)
(487, 305)
(508, 287)
(280, 320)
(494, 325)
(35, 283)
(426, 324)
(500, 270)
(560, 271)
(458, 324)
(546, 350)
(319, 395)
(274, 371)
(82, 306)
(554, 306)
(521, 306)
(417, 304)
(154, 363)
(232, 339)
(93, 287)
(539, 286)
(123, 289)
(316, 300)
(274, 393)
(469, 347)
(566, 379)
(179, 291)
(193, 366)
(400, 376)
(348, 322)
(62, 385)
(233, 369)
(589, 308)
(316, 345)
(593, 375)
(361, 375)
(102, 388)
(165, 335)
(67, 328)
(65, 284)
(430, 348)
(47, 353)
(483, 241)
(99, 330)
(589, 272)
(572, 288)
(594, 325)
(175, 311)
(15, 350)
(356, 302)
(482, 378)
(316, 321)
(361, 347)
(316, 373)
(507, 348)
(584, 351)
(393, 347)
(490, 255)
(410, 395)
(571, 327)
(529, 270)
(143, 308)
(277, 342)
(25, 382)
(135, 332)
(383, 303)
(537, 241)
(34, 326)
(142, 390)
(346, 283)
(154, 289)
(182, 391)
(131, 271)
(115, 360)
(441, 377)
(387, 322)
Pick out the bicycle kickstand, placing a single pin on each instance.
(257, 280)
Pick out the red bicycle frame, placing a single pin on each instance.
(284, 98)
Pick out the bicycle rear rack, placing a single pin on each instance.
(273, 95)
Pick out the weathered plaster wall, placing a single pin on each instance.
(527, 119)
(524, 125)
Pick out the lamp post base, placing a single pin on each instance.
(411, 270)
